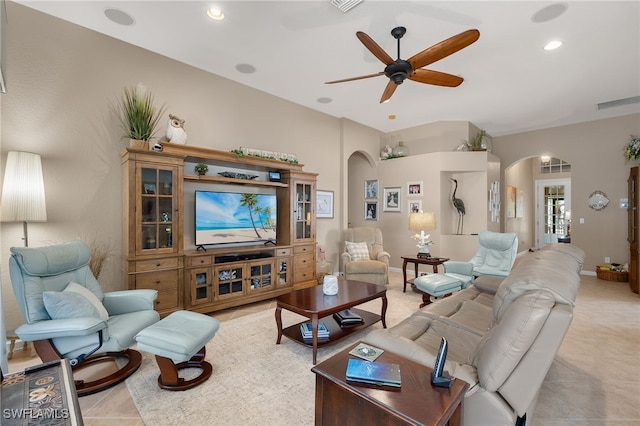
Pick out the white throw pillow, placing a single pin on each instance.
(358, 251)
(82, 290)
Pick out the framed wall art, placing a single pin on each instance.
(392, 199)
(414, 206)
(371, 189)
(371, 210)
(414, 189)
(324, 204)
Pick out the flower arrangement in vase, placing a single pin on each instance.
(632, 148)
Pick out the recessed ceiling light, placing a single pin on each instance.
(552, 45)
(246, 68)
(119, 17)
(215, 13)
(324, 100)
(550, 12)
(392, 117)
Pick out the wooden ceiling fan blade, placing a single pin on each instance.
(388, 91)
(444, 49)
(436, 78)
(355, 78)
(374, 48)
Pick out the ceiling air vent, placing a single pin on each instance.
(619, 102)
(345, 5)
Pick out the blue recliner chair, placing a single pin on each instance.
(494, 258)
(68, 316)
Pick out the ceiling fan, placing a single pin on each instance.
(399, 70)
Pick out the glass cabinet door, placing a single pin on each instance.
(156, 209)
(229, 281)
(260, 275)
(283, 271)
(304, 202)
(201, 287)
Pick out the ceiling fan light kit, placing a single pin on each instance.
(397, 71)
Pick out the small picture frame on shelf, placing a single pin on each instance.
(324, 204)
(371, 189)
(414, 189)
(392, 201)
(371, 210)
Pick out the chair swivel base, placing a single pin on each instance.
(47, 353)
(169, 378)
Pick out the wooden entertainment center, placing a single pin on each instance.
(154, 256)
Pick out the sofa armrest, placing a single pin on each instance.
(51, 329)
(383, 256)
(346, 258)
(126, 301)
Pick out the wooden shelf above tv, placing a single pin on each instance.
(221, 179)
(198, 154)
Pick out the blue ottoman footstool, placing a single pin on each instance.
(178, 341)
(436, 285)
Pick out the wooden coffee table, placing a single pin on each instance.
(313, 304)
(416, 402)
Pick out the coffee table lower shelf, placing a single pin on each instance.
(335, 331)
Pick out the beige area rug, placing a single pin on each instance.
(254, 381)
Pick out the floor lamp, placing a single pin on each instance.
(23, 191)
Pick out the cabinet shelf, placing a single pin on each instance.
(222, 179)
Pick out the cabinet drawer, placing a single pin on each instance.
(200, 261)
(166, 280)
(283, 251)
(166, 300)
(156, 264)
(303, 249)
(303, 268)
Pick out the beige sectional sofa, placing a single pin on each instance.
(503, 334)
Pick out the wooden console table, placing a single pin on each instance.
(433, 261)
(416, 402)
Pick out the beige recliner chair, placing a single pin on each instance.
(364, 258)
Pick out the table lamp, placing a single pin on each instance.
(422, 221)
(23, 191)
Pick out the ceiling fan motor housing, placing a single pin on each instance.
(398, 71)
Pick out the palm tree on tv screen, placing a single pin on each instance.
(250, 200)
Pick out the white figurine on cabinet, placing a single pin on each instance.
(175, 130)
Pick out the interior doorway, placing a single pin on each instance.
(553, 211)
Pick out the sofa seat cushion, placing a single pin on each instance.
(472, 316)
(366, 267)
(437, 284)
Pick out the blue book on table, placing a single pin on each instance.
(377, 373)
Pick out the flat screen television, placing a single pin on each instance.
(233, 217)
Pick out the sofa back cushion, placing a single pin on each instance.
(370, 235)
(502, 348)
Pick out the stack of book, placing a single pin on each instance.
(347, 318)
(307, 335)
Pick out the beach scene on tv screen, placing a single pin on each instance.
(226, 217)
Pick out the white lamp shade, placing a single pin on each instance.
(23, 189)
(422, 221)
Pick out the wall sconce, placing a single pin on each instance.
(23, 197)
(422, 222)
(545, 158)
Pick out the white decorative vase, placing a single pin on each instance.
(330, 285)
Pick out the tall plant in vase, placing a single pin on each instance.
(138, 116)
